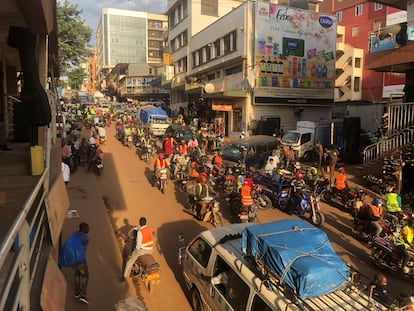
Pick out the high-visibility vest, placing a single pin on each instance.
(340, 182)
(392, 203)
(408, 233)
(376, 211)
(246, 197)
(147, 241)
(160, 163)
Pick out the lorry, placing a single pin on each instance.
(155, 119)
(283, 265)
(304, 137)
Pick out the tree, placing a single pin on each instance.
(76, 77)
(73, 36)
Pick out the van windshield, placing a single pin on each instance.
(291, 137)
(234, 152)
(160, 120)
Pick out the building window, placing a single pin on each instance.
(217, 50)
(355, 31)
(339, 16)
(237, 120)
(211, 76)
(233, 70)
(209, 7)
(357, 81)
(358, 62)
(376, 26)
(208, 52)
(358, 10)
(377, 6)
(226, 41)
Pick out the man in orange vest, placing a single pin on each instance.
(144, 245)
(374, 215)
(340, 180)
(245, 194)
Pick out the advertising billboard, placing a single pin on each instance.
(294, 52)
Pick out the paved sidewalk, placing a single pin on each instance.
(103, 253)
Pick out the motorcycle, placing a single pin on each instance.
(147, 154)
(96, 163)
(346, 198)
(145, 267)
(366, 232)
(263, 202)
(212, 214)
(386, 255)
(308, 204)
(128, 141)
(377, 184)
(248, 213)
(162, 176)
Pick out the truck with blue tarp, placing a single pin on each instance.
(283, 265)
(155, 119)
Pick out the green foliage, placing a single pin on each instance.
(73, 36)
(76, 77)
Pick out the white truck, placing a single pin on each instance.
(230, 268)
(154, 119)
(304, 137)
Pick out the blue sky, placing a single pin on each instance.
(92, 8)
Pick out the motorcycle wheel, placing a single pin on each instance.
(263, 202)
(282, 205)
(326, 196)
(183, 188)
(318, 219)
(350, 206)
(217, 220)
(147, 158)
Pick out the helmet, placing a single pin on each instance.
(313, 170)
(377, 202)
(341, 170)
(299, 175)
(381, 279)
(161, 155)
(389, 189)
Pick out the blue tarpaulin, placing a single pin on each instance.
(299, 253)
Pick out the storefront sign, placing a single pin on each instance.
(294, 51)
(221, 107)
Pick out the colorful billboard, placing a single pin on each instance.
(294, 52)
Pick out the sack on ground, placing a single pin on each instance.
(72, 252)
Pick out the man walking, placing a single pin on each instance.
(81, 269)
(144, 245)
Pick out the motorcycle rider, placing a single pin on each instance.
(311, 175)
(245, 194)
(159, 164)
(144, 245)
(193, 145)
(203, 191)
(183, 148)
(297, 184)
(127, 133)
(404, 242)
(341, 183)
(372, 214)
(393, 203)
(217, 162)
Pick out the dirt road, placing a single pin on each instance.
(129, 195)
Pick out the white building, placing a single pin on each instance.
(264, 61)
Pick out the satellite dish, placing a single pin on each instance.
(209, 88)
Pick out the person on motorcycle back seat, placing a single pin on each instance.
(127, 132)
(203, 191)
(340, 180)
(160, 163)
(193, 169)
(245, 194)
(183, 148)
(311, 174)
(404, 242)
(393, 203)
(374, 214)
(217, 162)
(168, 146)
(298, 184)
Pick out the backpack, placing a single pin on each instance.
(72, 252)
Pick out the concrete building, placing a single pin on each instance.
(125, 36)
(227, 70)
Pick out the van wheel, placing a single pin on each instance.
(307, 157)
(196, 301)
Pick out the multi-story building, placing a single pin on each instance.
(253, 64)
(360, 19)
(130, 37)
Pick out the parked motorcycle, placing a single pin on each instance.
(212, 214)
(346, 198)
(145, 267)
(377, 184)
(309, 204)
(386, 255)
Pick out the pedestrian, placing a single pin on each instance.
(73, 254)
(65, 172)
(332, 159)
(319, 152)
(144, 245)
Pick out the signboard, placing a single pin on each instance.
(294, 52)
(378, 45)
(410, 33)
